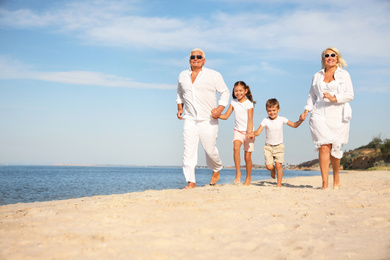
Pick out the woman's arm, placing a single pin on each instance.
(346, 94)
(304, 115)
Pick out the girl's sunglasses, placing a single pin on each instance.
(327, 55)
(192, 57)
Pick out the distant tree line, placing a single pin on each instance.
(380, 146)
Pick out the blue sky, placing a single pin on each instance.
(94, 82)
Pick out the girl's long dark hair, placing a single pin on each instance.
(246, 87)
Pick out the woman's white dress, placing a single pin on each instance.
(329, 121)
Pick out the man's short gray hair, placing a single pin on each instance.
(198, 49)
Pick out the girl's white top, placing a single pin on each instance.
(241, 114)
(329, 121)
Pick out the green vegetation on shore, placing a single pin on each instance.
(373, 156)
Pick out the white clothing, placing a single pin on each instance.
(199, 98)
(241, 114)
(329, 121)
(274, 129)
(207, 132)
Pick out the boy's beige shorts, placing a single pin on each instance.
(274, 153)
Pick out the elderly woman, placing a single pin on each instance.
(330, 92)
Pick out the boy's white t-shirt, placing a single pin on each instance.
(241, 114)
(274, 130)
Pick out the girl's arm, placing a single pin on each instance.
(296, 124)
(250, 120)
(227, 114)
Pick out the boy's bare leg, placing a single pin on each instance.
(279, 172)
(324, 159)
(190, 185)
(271, 168)
(214, 178)
(237, 160)
(248, 162)
(336, 167)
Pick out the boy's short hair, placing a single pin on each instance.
(272, 102)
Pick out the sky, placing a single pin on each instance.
(94, 82)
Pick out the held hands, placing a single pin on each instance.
(250, 135)
(303, 115)
(216, 112)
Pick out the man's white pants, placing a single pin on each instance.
(207, 132)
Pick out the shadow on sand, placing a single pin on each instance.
(287, 185)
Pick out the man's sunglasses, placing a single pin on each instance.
(327, 55)
(192, 57)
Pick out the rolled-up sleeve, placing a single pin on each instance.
(312, 96)
(179, 94)
(346, 91)
(222, 90)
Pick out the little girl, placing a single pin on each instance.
(242, 104)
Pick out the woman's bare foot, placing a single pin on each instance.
(190, 185)
(336, 187)
(214, 178)
(237, 181)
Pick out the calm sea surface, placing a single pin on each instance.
(45, 183)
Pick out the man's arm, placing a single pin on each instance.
(180, 110)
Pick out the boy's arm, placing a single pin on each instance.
(294, 124)
(255, 133)
(227, 114)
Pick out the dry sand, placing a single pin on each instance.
(298, 221)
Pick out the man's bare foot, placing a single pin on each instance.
(190, 185)
(336, 187)
(247, 182)
(278, 185)
(237, 181)
(214, 178)
(273, 173)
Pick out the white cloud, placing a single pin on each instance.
(306, 28)
(13, 69)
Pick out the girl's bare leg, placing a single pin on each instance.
(336, 167)
(279, 172)
(248, 162)
(324, 159)
(237, 160)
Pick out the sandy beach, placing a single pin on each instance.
(298, 221)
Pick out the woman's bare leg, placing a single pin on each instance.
(336, 167)
(324, 160)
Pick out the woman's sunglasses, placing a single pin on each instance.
(327, 55)
(192, 57)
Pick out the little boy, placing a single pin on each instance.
(274, 147)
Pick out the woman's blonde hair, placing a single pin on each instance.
(341, 62)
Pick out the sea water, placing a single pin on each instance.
(46, 183)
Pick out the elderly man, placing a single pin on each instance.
(197, 93)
